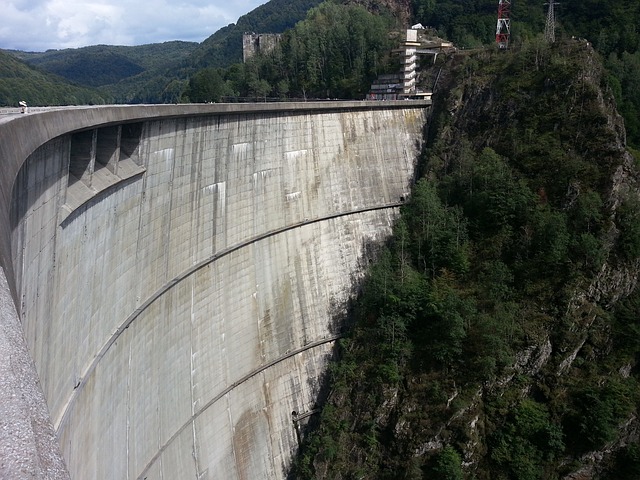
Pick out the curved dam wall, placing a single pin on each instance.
(181, 272)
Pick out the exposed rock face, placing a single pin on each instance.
(545, 116)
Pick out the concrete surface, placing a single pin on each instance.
(181, 272)
(28, 447)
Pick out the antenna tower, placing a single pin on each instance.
(550, 27)
(503, 30)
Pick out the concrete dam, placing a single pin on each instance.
(174, 278)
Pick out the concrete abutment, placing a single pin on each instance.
(178, 270)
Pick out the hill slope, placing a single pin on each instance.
(499, 335)
(224, 47)
(158, 72)
(101, 65)
(19, 81)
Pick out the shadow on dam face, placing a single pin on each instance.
(181, 274)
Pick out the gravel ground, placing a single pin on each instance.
(28, 446)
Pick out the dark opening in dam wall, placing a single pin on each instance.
(179, 271)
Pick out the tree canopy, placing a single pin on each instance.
(463, 328)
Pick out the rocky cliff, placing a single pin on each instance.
(498, 336)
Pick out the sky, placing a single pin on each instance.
(39, 25)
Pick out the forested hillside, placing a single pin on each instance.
(224, 47)
(334, 53)
(498, 336)
(157, 73)
(610, 26)
(101, 65)
(19, 81)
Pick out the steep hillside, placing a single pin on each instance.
(498, 337)
(609, 25)
(19, 81)
(224, 47)
(335, 52)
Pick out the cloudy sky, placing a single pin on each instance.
(38, 25)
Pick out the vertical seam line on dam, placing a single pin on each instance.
(165, 288)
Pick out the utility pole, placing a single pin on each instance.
(550, 27)
(503, 30)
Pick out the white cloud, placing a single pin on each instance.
(38, 25)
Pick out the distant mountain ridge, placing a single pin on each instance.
(156, 72)
(100, 65)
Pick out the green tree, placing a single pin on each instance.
(526, 442)
(628, 223)
(550, 238)
(439, 232)
(627, 325)
(259, 88)
(597, 413)
(447, 465)
(207, 85)
(439, 329)
(498, 199)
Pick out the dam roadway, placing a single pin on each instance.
(180, 274)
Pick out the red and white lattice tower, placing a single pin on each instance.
(504, 24)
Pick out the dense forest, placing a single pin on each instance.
(100, 65)
(19, 81)
(612, 27)
(224, 47)
(335, 52)
(498, 335)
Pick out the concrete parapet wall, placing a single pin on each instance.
(181, 290)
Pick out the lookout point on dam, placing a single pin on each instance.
(174, 277)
